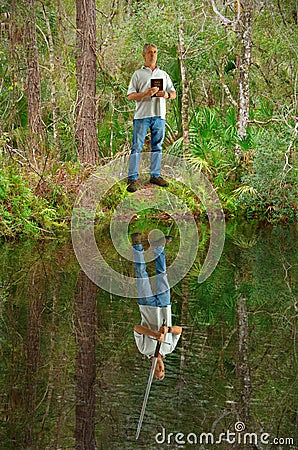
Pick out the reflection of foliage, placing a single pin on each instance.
(208, 388)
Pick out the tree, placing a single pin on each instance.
(35, 124)
(242, 24)
(86, 82)
(184, 88)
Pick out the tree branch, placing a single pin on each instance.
(225, 21)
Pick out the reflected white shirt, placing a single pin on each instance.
(153, 317)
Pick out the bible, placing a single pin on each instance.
(157, 82)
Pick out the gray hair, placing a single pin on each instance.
(148, 45)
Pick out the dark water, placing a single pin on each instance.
(71, 375)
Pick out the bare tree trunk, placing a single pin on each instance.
(13, 72)
(53, 82)
(184, 87)
(34, 95)
(85, 305)
(244, 28)
(86, 82)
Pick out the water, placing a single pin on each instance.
(71, 375)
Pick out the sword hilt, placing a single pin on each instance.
(157, 348)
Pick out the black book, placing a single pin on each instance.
(157, 82)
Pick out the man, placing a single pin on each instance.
(155, 309)
(150, 113)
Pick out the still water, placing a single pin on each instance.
(71, 375)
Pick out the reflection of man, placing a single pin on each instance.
(154, 309)
(150, 113)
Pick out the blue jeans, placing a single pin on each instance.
(140, 128)
(162, 297)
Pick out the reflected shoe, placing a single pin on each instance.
(162, 241)
(160, 181)
(136, 238)
(132, 185)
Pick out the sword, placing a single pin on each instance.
(157, 348)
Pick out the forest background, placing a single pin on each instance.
(65, 68)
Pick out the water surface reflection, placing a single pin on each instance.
(72, 377)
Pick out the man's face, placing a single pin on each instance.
(150, 56)
(159, 369)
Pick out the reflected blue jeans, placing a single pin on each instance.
(162, 297)
(140, 128)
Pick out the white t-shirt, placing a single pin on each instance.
(149, 106)
(153, 317)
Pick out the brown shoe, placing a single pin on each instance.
(132, 185)
(162, 241)
(136, 238)
(159, 181)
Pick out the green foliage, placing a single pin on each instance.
(21, 211)
(270, 189)
(34, 205)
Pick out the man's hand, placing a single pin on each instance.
(163, 329)
(151, 91)
(160, 336)
(162, 94)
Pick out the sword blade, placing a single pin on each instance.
(146, 397)
(157, 348)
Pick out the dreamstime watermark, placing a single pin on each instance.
(238, 436)
(96, 189)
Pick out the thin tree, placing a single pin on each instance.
(184, 88)
(13, 71)
(35, 124)
(86, 82)
(53, 70)
(242, 25)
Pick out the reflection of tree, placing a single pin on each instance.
(214, 391)
(85, 304)
(183, 339)
(243, 405)
(242, 366)
(35, 310)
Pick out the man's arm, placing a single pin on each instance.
(140, 95)
(140, 329)
(165, 94)
(175, 329)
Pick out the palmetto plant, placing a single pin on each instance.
(212, 139)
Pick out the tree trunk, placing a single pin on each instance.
(13, 72)
(35, 124)
(244, 60)
(86, 82)
(243, 27)
(53, 82)
(184, 89)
